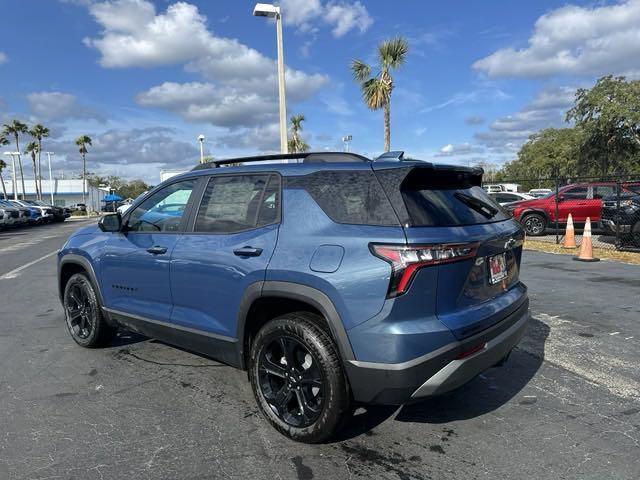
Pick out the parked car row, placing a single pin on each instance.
(597, 201)
(18, 213)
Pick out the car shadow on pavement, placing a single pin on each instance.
(126, 337)
(485, 393)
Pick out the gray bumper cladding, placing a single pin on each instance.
(459, 372)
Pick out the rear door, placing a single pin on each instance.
(227, 248)
(443, 207)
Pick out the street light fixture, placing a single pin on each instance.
(50, 177)
(346, 140)
(14, 184)
(271, 11)
(201, 140)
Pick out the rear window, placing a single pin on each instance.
(447, 199)
(352, 197)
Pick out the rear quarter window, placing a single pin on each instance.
(351, 197)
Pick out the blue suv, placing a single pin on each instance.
(334, 280)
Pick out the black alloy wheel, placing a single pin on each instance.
(291, 381)
(83, 314)
(297, 377)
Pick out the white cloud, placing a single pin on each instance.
(3, 58)
(574, 40)
(265, 139)
(60, 106)
(546, 110)
(133, 153)
(450, 149)
(342, 17)
(241, 86)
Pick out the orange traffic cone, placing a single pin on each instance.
(569, 236)
(586, 247)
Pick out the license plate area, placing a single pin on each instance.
(497, 268)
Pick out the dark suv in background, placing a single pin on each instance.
(335, 280)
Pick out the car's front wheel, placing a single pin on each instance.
(534, 224)
(297, 378)
(83, 314)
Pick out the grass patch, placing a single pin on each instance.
(601, 253)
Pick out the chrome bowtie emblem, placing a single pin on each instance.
(510, 243)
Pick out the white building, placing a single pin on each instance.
(66, 192)
(167, 173)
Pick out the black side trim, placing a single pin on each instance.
(218, 347)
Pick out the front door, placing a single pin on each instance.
(574, 201)
(227, 248)
(135, 263)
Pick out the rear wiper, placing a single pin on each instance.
(478, 205)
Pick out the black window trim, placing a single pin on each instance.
(185, 215)
(196, 207)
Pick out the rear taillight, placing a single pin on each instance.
(406, 260)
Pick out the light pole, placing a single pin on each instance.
(14, 184)
(346, 140)
(271, 11)
(201, 140)
(50, 177)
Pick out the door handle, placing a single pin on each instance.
(247, 252)
(157, 250)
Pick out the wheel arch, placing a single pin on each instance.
(264, 301)
(539, 211)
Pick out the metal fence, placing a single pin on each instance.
(611, 203)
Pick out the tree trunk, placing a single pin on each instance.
(35, 175)
(84, 178)
(24, 194)
(387, 127)
(4, 189)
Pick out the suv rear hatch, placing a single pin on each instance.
(455, 227)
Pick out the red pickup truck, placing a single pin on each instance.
(581, 200)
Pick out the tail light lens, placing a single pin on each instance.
(406, 260)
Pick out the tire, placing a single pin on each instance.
(534, 224)
(83, 313)
(297, 378)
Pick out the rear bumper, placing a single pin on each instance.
(439, 371)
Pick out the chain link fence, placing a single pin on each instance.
(543, 206)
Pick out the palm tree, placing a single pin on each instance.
(82, 142)
(3, 165)
(296, 143)
(32, 149)
(376, 90)
(15, 128)
(39, 132)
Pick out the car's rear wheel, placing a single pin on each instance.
(83, 314)
(534, 224)
(297, 378)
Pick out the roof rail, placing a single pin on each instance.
(306, 157)
(397, 155)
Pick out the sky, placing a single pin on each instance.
(144, 78)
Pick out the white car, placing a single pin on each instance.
(507, 197)
(123, 208)
(540, 192)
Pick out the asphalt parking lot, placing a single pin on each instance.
(567, 405)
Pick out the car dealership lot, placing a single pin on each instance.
(567, 405)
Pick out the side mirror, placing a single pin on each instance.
(561, 198)
(110, 223)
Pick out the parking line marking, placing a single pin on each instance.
(14, 273)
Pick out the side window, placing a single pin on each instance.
(577, 193)
(603, 191)
(352, 197)
(162, 211)
(235, 203)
